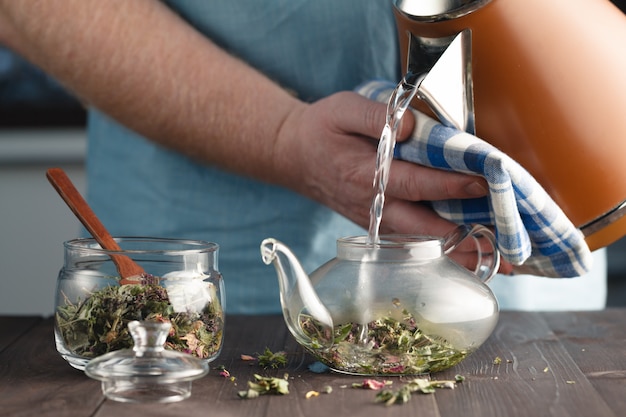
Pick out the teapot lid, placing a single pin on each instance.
(390, 248)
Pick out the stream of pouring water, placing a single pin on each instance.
(396, 106)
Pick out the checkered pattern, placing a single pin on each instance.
(532, 232)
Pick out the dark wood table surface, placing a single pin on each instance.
(553, 364)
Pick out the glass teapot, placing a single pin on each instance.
(398, 306)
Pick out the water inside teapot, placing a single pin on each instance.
(401, 343)
(418, 320)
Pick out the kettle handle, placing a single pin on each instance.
(487, 254)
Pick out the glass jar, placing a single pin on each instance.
(182, 286)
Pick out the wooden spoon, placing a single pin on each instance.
(130, 272)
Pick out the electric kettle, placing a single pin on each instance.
(544, 81)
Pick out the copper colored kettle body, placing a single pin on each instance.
(548, 87)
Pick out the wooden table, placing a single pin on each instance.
(553, 364)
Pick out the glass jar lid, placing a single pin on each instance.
(148, 372)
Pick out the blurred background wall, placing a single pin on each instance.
(41, 126)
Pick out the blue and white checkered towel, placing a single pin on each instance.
(532, 232)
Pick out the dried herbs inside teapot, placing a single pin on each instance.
(391, 346)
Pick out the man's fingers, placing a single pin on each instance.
(414, 182)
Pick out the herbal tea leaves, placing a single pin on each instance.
(98, 324)
(265, 385)
(269, 359)
(425, 386)
(393, 347)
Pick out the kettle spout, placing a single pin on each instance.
(446, 85)
(297, 295)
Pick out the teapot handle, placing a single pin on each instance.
(487, 249)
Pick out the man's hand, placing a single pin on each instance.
(328, 152)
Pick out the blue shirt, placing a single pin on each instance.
(311, 47)
(314, 48)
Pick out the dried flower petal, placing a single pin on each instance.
(371, 384)
(311, 394)
(318, 367)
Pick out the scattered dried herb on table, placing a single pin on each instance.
(392, 347)
(98, 324)
(269, 359)
(265, 385)
(422, 385)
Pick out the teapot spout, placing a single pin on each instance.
(297, 295)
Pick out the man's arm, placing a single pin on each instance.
(140, 63)
(144, 66)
